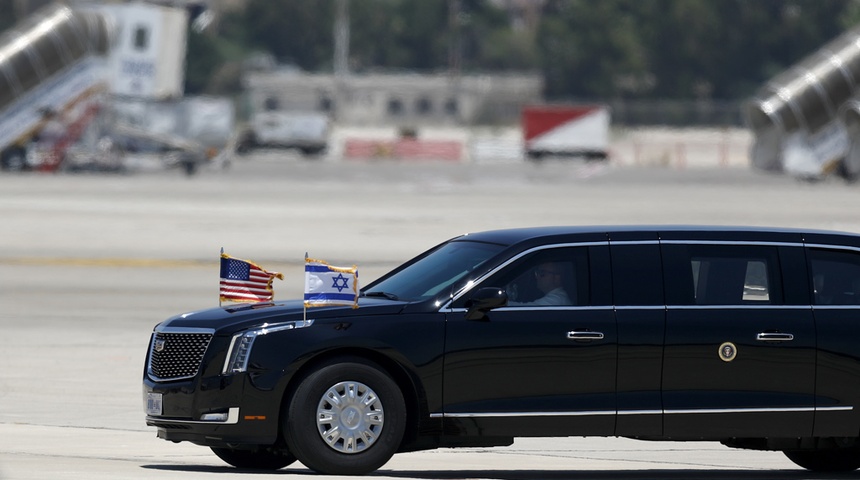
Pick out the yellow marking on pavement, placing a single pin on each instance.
(107, 262)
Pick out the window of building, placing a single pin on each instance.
(326, 104)
(424, 106)
(451, 107)
(395, 106)
(270, 104)
(141, 38)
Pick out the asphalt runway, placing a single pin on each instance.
(90, 263)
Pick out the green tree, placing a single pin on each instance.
(585, 49)
(593, 49)
(294, 31)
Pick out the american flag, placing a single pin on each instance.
(244, 281)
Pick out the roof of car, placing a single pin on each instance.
(629, 232)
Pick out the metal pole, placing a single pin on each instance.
(341, 55)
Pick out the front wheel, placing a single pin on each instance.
(834, 460)
(255, 459)
(346, 418)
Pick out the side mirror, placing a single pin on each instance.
(484, 300)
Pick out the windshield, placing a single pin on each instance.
(435, 273)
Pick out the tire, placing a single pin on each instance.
(835, 460)
(255, 459)
(345, 418)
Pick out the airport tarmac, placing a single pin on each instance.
(90, 263)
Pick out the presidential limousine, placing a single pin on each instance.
(745, 336)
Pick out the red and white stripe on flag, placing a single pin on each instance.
(244, 281)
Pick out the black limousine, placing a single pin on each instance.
(745, 336)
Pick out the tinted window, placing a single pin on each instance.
(637, 277)
(722, 275)
(835, 277)
(435, 273)
(550, 277)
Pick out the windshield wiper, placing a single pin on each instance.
(387, 295)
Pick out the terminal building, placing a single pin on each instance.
(399, 99)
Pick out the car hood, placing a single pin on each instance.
(232, 318)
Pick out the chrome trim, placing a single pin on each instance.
(732, 243)
(739, 307)
(835, 307)
(543, 308)
(530, 414)
(634, 242)
(584, 335)
(755, 410)
(640, 307)
(774, 337)
(232, 419)
(832, 247)
(159, 329)
(639, 412)
(661, 307)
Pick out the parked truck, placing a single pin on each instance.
(566, 131)
(306, 132)
(281, 116)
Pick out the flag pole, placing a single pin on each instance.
(219, 274)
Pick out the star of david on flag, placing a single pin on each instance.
(327, 285)
(244, 281)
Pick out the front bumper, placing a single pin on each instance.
(222, 411)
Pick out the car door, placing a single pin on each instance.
(531, 368)
(640, 313)
(835, 273)
(739, 360)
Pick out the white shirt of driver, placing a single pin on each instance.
(554, 297)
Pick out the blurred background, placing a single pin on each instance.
(129, 86)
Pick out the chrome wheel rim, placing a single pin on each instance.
(350, 417)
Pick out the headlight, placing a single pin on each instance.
(242, 343)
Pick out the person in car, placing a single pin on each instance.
(549, 279)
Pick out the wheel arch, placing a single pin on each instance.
(414, 396)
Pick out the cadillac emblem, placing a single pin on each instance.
(159, 344)
(728, 351)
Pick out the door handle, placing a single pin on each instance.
(774, 337)
(584, 335)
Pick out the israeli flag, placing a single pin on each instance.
(327, 285)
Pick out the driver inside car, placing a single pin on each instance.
(549, 279)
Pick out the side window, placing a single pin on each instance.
(835, 277)
(723, 274)
(729, 281)
(547, 278)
